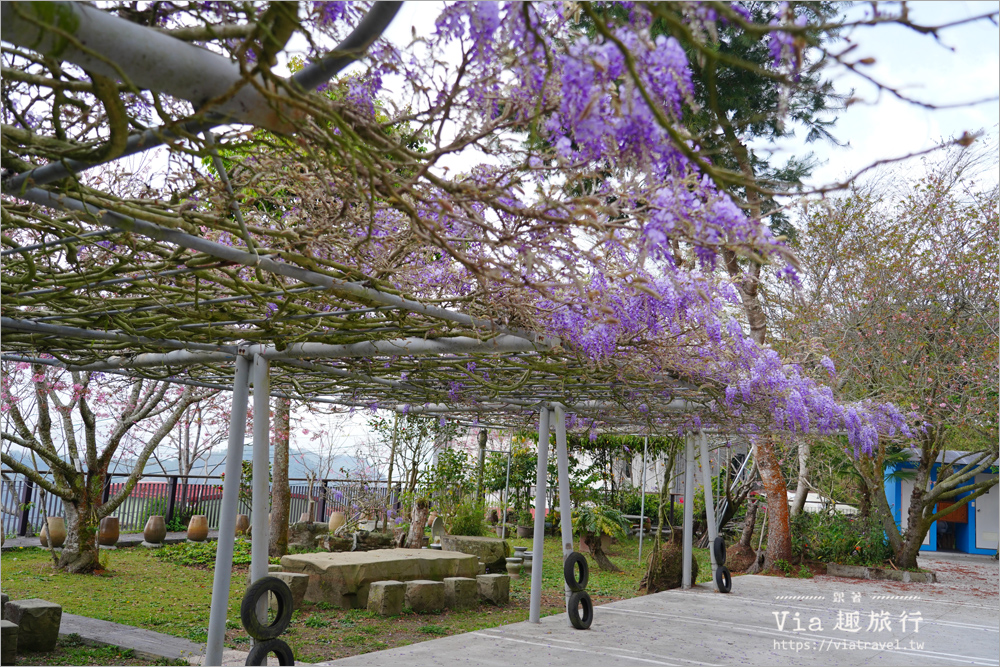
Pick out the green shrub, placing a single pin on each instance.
(202, 554)
(840, 538)
(469, 520)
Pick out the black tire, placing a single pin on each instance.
(719, 550)
(248, 608)
(723, 580)
(581, 598)
(258, 654)
(569, 572)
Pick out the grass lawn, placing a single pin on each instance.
(141, 590)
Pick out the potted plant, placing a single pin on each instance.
(525, 524)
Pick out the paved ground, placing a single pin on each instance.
(764, 621)
(147, 644)
(125, 540)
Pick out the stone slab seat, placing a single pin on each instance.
(37, 622)
(424, 595)
(297, 583)
(385, 598)
(494, 588)
(490, 550)
(8, 643)
(343, 578)
(461, 592)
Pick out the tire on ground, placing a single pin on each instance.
(723, 580)
(258, 654)
(577, 600)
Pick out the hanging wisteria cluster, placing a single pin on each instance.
(529, 165)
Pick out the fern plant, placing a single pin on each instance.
(600, 520)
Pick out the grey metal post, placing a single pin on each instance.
(506, 493)
(565, 506)
(642, 503)
(260, 499)
(480, 465)
(706, 477)
(688, 512)
(538, 543)
(227, 517)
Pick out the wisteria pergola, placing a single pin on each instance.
(170, 300)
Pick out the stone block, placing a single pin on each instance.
(306, 535)
(461, 592)
(425, 595)
(297, 583)
(274, 567)
(385, 598)
(37, 621)
(4, 599)
(494, 588)
(8, 643)
(490, 550)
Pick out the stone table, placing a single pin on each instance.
(343, 578)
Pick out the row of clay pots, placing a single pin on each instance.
(107, 533)
(154, 532)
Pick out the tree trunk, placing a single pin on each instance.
(80, 551)
(749, 523)
(281, 494)
(865, 502)
(802, 486)
(418, 520)
(779, 540)
(593, 543)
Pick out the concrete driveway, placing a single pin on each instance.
(764, 621)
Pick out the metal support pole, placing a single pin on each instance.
(171, 498)
(642, 503)
(227, 516)
(506, 492)
(480, 465)
(565, 506)
(538, 543)
(29, 488)
(688, 512)
(706, 477)
(261, 473)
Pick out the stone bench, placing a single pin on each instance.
(424, 595)
(385, 598)
(37, 622)
(297, 584)
(494, 588)
(461, 592)
(490, 550)
(8, 643)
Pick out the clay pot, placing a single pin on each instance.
(430, 518)
(55, 526)
(242, 525)
(107, 534)
(155, 530)
(198, 528)
(337, 519)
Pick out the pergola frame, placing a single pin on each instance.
(406, 358)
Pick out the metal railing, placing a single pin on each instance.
(174, 497)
